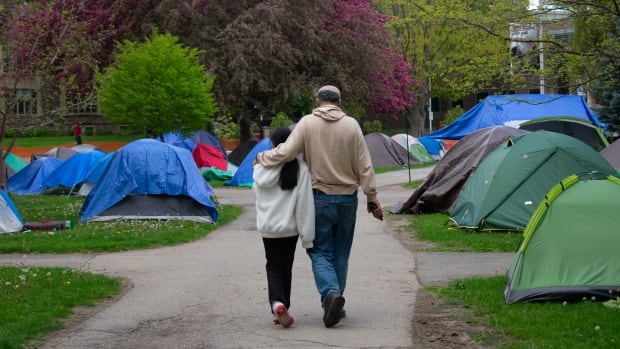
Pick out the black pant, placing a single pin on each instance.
(280, 254)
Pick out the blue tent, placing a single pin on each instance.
(195, 138)
(10, 220)
(179, 140)
(511, 110)
(94, 174)
(149, 179)
(243, 175)
(73, 170)
(29, 180)
(433, 146)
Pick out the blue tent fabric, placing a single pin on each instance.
(510, 110)
(73, 170)
(433, 146)
(243, 175)
(29, 180)
(195, 138)
(148, 167)
(179, 140)
(95, 172)
(10, 219)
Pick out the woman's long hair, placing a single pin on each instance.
(290, 170)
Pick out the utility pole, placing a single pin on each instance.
(430, 106)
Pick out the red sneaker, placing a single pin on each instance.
(282, 315)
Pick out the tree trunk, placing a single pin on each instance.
(415, 117)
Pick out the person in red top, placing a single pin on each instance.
(77, 133)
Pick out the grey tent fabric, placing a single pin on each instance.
(62, 153)
(386, 152)
(442, 186)
(612, 154)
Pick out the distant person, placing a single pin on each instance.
(77, 133)
(333, 145)
(284, 214)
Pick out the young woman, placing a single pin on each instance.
(284, 214)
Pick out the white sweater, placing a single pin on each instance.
(284, 213)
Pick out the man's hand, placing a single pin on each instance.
(374, 207)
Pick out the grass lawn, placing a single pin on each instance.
(48, 142)
(35, 299)
(585, 324)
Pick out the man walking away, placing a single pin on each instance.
(333, 146)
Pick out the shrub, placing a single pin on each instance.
(280, 119)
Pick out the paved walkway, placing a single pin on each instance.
(212, 293)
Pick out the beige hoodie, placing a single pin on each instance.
(333, 146)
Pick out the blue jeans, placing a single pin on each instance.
(334, 227)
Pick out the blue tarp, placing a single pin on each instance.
(73, 170)
(29, 180)
(148, 167)
(243, 175)
(95, 172)
(195, 138)
(433, 146)
(511, 110)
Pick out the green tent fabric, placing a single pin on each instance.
(415, 147)
(570, 245)
(504, 190)
(212, 173)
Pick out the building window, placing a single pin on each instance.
(25, 102)
(81, 105)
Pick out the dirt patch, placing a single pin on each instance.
(437, 325)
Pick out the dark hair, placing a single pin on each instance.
(328, 96)
(288, 173)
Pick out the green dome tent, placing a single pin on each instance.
(570, 245)
(504, 190)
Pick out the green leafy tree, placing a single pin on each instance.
(455, 47)
(158, 86)
(272, 55)
(595, 61)
(280, 119)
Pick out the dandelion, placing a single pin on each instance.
(597, 328)
(22, 277)
(8, 283)
(34, 275)
(25, 270)
(64, 271)
(51, 233)
(48, 273)
(67, 283)
(564, 304)
(593, 298)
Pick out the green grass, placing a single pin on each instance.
(434, 228)
(413, 184)
(34, 300)
(411, 166)
(43, 142)
(99, 236)
(535, 325)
